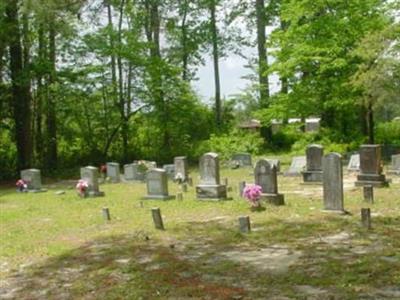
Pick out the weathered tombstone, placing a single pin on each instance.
(242, 185)
(129, 172)
(313, 172)
(157, 184)
(210, 187)
(368, 191)
(181, 168)
(139, 171)
(113, 171)
(244, 159)
(312, 124)
(333, 182)
(354, 163)
(276, 162)
(296, 167)
(265, 175)
(244, 224)
(395, 166)
(370, 167)
(33, 180)
(170, 170)
(91, 176)
(366, 217)
(276, 126)
(106, 214)
(157, 218)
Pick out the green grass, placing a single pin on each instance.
(73, 252)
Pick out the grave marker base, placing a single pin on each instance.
(211, 192)
(275, 199)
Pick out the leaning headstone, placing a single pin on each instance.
(129, 172)
(33, 180)
(312, 124)
(157, 218)
(395, 165)
(354, 163)
(371, 167)
(113, 171)
(170, 170)
(265, 175)
(333, 182)
(368, 191)
(106, 214)
(244, 224)
(210, 186)
(244, 159)
(157, 185)
(91, 176)
(181, 168)
(296, 167)
(313, 172)
(366, 217)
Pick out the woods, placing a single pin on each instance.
(83, 81)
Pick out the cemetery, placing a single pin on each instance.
(202, 149)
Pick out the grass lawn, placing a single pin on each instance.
(59, 246)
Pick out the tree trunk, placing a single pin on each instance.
(214, 33)
(184, 42)
(370, 123)
(21, 97)
(39, 99)
(262, 53)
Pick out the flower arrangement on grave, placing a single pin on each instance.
(81, 187)
(22, 185)
(142, 166)
(252, 193)
(103, 169)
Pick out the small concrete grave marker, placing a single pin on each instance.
(157, 218)
(296, 167)
(179, 196)
(395, 165)
(210, 187)
(244, 224)
(313, 172)
(265, 175)
(113, 172)
(33, 180)
(91, 176)
(368, 191)
(366, 217)
(354, 163)
(333, 182)
(170, 170)
(157, 184)
(106, 214)
(371, 167)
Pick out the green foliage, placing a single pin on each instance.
(8, 153)
(388, 133)
(228, 144)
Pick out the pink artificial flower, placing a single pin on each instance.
(252, 193)
(103, 169)
(82, 185)
(21, 184)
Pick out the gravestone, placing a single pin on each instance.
(313, 172)
(312, 124)
(170, 170)
(244, 159)
(265, 175)
(242, 185)
(395, 165)
(106, 214)
(244, 224)
(91, 176)
(366, 218)
(370, 167)
(209, 186)
(157, 218)
(354, 163)
(296, 167)
(368, 192)
(139, 171)
(113, 172)
(129, 172)
(157, 184)
(181, 168)
(33, 180)
(276, 162)
(276, 126)
(333, 182)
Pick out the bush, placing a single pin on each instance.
(388, 133)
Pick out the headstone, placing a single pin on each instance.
(395, 165)
(242, 185)
(209, 186)
(91, 176)
(157, 184)
(333, 182)
(294, 120)
(370, 167)
(312, 124)
(106, 214)
(170, 170)
(276, 126)
(276, 162)
(244, 224)
(181, 168)
(368, 191)
(366, 217)
(296, 167)
(139, 171)
(265, 175)
(354, 163)
(244, 159)
(313, 172)
(113, 172)
(157, 218)
(129, 172)
(33, 180)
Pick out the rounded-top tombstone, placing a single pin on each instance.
(265, 175)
